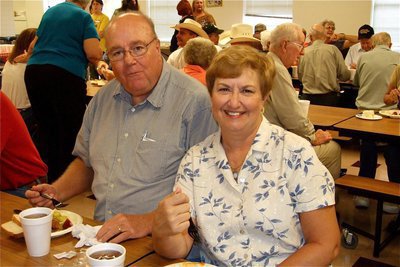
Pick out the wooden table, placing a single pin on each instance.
(14, 251)
(325, 116)
(386, 129)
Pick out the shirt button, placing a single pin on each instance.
(133, 109)
(245, 256)
(118, 159)
(242, 232)
(112, 185)
(126, 135)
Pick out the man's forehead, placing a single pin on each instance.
(186, 31)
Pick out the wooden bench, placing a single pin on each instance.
(371, 188)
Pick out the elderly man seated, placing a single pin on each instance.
(283, 108)
(320, 69)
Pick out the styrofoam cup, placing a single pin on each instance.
(305, 105)
(117, 262)
(37, 232)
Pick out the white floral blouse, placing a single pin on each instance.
(254, 221)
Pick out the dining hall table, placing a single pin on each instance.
(385, 129)
(326, 117)
(139, 252)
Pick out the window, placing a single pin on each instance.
(271, 12)
(385, 18)
(164, 15)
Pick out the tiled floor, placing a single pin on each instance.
(364, 219)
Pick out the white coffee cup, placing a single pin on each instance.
(37, 231)
(305, 105)
(117, 261)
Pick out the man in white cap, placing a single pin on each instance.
(189, 29)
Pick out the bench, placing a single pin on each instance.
(375, 189)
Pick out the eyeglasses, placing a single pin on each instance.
(135, 51)
(301, 46)
(329, 28)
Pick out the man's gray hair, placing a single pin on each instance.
(382, 38)
(285, 31)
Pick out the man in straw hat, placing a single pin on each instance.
(189, 29)
(242, 34)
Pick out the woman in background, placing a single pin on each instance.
(185, 11)
(198, 54)
(13, 84)
(55, 78)
(100, 21)
(257, 194)
(126, 6)
(200, 15)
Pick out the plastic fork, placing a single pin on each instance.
(56, 203)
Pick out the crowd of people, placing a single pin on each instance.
(208, 139)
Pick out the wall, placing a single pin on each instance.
(348, 15)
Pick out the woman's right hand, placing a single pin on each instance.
(172, 214)
(34, 198)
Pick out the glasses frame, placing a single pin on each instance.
(298, 45)
(131, 52)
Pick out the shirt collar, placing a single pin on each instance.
(156, 97)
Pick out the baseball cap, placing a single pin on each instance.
(211, 28)
(365, 32)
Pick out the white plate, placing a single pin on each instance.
(190, 264)
(390, 113)
(375, 118)
(73, 217)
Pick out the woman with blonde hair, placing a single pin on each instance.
(251, 194)
(200, 15)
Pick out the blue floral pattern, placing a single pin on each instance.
(254, 220)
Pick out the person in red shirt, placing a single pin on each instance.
(20, 164)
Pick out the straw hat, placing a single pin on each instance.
(193, 26)
(242, 33)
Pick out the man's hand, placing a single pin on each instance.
(173, 214)
(124, 226)
(321, 137)
(34, 198)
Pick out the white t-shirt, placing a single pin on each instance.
(13, 84)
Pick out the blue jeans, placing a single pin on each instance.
(19, 192)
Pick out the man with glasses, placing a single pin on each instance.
(320, 69)
(282, 106)
(134, 134)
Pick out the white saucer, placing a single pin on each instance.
(375, 118)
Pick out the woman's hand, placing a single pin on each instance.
(34, 198)
(172, 215)
(170, 226)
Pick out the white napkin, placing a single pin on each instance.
(86, 233)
